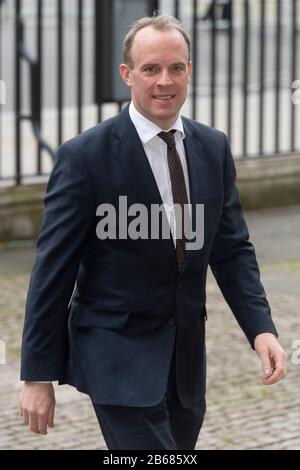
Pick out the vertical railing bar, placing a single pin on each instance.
(17, 94)
(40, 67)
(293, 73)
(213, 66)
(262, 77)
(245, 77)
(59, 71)
(297, 68)
(99, 113)
(79, 66)
(177, 9)
(1, 104)
(194, 60)
(230, 73)
(96, 7)
(277, 75)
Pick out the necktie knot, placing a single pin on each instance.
(168, 137)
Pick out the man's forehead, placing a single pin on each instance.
(148, 35)
(143, 49)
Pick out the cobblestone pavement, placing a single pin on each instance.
(242, 413)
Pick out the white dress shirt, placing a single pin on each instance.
(156, 152)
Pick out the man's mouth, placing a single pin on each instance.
(163, 97)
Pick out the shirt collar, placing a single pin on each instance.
(147, 129)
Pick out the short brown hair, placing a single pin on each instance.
(159, 22)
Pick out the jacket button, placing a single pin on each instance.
(171, 321)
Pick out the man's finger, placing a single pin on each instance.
(51, 416)
(267, 365)
(33, 423)
(42, 423)
(278, 373)
(25, 417)
(275, 377)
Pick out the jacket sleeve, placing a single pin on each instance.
(234, 265)
(68, 212)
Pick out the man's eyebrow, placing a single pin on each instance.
(149, 65)
(157, 65)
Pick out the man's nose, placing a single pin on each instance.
(164, 79)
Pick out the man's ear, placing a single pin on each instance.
(190, 68)
(125, 73)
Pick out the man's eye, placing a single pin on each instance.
(150, 69)
(178, 68)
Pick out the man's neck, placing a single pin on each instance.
(162, 125)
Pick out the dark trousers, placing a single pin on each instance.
(166, 425)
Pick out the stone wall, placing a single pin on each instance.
(269, 182)
(263, 182)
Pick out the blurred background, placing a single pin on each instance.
(59, 76)
(59, 61)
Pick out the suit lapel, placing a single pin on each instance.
(196, 171)
(195, 163)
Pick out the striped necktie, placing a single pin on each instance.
(179, 193)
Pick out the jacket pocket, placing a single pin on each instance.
(110, 318)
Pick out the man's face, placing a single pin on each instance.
(159, 74)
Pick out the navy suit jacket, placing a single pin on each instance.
(114, 339)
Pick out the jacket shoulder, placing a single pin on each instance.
(203, 131)
(91, 138)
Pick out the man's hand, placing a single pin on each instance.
(37, 404)
(273, 358)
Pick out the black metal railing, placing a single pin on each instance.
(245, 59)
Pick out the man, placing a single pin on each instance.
(133, 336)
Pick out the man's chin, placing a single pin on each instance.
(164, 105)
(165, 114)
